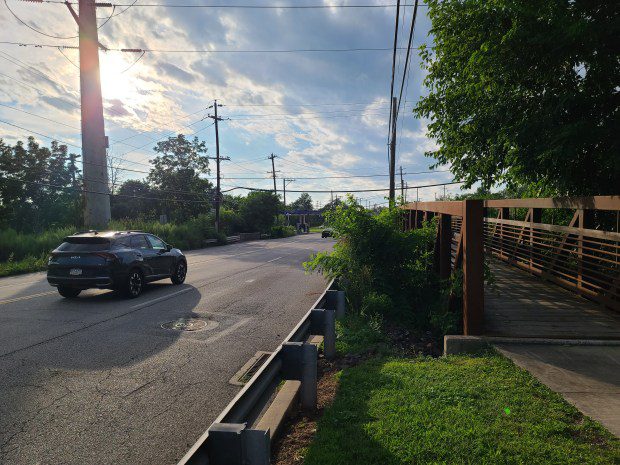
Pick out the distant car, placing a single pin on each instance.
(121, 260)
(327, 232)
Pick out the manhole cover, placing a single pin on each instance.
(190, 324)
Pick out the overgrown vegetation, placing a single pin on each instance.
(453, 410)
(525, 93)
(384, 270)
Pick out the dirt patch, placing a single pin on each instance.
(299, 431)
(408, 344)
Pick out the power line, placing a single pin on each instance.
(153, 50)
(344, 191)
(394, 65)
(246, 7)
(114, 195)
(411, 30)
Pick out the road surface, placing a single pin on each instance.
(97, 380)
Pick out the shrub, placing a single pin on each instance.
(282, 231)
(383, 269)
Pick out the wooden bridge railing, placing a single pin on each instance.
(583, 256)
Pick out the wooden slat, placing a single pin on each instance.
(449, 208)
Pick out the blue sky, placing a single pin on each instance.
(324, 114)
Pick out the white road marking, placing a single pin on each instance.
(250, 280)
(228, 330)
(159, 299)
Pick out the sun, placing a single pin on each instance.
(115, 83)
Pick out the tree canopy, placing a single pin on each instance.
(36, 186)
(177, 172)
(525, 93)
(304, 202)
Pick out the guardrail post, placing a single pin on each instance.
(234, 444)
(336, 301)
(323, 322)
(472, 232)
(329, 334)
(299, 362)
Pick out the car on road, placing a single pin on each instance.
(121, 260)
(327, 232)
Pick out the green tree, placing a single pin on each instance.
(177, 174)
(525, 92)
(135, 200)
(258, 210)
(304, 202)
(35, 187)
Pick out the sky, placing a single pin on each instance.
(324, 114)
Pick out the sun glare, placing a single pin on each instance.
(116, 84)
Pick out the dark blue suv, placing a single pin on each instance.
(119, 260)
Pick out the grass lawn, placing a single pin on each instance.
(454, 410)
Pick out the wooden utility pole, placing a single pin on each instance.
(393, 151)
(94, 141)
(285, 182)
(218, 194)
(402, 186)
(273, 172)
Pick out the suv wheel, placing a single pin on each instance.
(68, 292)
(134, 284)
(178, 273)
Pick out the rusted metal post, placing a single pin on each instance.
(504, 215)
(472, 232)
(445, 246)
(585, 221)
(535, 217)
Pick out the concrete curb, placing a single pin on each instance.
(454, 344)
(284, 402)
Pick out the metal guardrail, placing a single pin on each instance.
(229, 440)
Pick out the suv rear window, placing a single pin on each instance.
(83, 246)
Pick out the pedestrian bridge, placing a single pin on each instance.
(553, 263)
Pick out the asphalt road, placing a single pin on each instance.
(97, 380)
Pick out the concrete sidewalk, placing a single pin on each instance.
(586, 376)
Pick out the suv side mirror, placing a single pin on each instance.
(168, 247)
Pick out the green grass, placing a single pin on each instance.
(26, 265)
(25, 253)
(455, 410)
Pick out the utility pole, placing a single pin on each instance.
(402, 186)
(393, 151)
(94, 141)
(218, 194)
(285, 182)
(273, 172)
